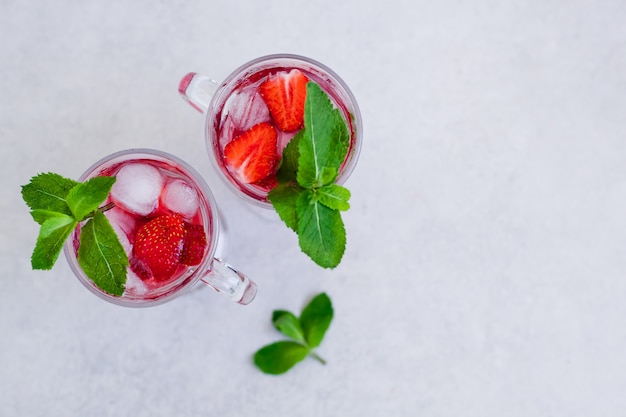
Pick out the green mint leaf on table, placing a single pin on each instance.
(280, 357)
(59, 205)
(306, 198)
(287, 323)
(315, 319)
(101, 255)
(306, 332)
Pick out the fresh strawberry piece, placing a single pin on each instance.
(140, 269)
(267, 183)
(193, 245)
(158, 246)
(252, 155)
(285, 93)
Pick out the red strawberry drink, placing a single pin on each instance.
(257, 110)
(165, 218)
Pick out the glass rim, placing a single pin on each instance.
(354, 151)
(211, 216)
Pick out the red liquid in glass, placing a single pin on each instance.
(240, 106)
(127, 220)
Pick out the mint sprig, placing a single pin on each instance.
(59, 204)
(307, 198)
(306, 334)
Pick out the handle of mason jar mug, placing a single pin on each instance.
(197, 90)
(226, 280)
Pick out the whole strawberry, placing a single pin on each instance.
(158, 247)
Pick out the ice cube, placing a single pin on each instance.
(137, 188)
(283, 139)
(121, 220)
(119, 223)
(134, 285)
(247, 108)
(179, 197)
(227, 131)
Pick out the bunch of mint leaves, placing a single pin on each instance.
(59, 204)
(307, 198)
(306, 333)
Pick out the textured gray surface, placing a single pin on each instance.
(485, 269)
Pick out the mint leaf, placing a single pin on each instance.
(59, 204)
(86, 197)
(328, 175)
(48, 191)
(342, 144)
(40, 216)
(55, 228)
(289, 161)
(306, 197)
(321, 233)
(285, 195)
(280, 357)
(306, 333)
(315, 319)
(101, 255)
(287, 323)
(334, 196)
(284, 198)
(325, 138)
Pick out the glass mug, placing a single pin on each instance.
(236, 105)
(151, 183)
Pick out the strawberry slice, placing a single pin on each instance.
(252, 155)
(158, 246)
(193, 245)
(267, 183)
(285, 93)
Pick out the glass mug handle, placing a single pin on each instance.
(197, 90)
(226, 280)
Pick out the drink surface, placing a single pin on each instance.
(162, 221)
(246, 109)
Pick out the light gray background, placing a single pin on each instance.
(485, 269)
